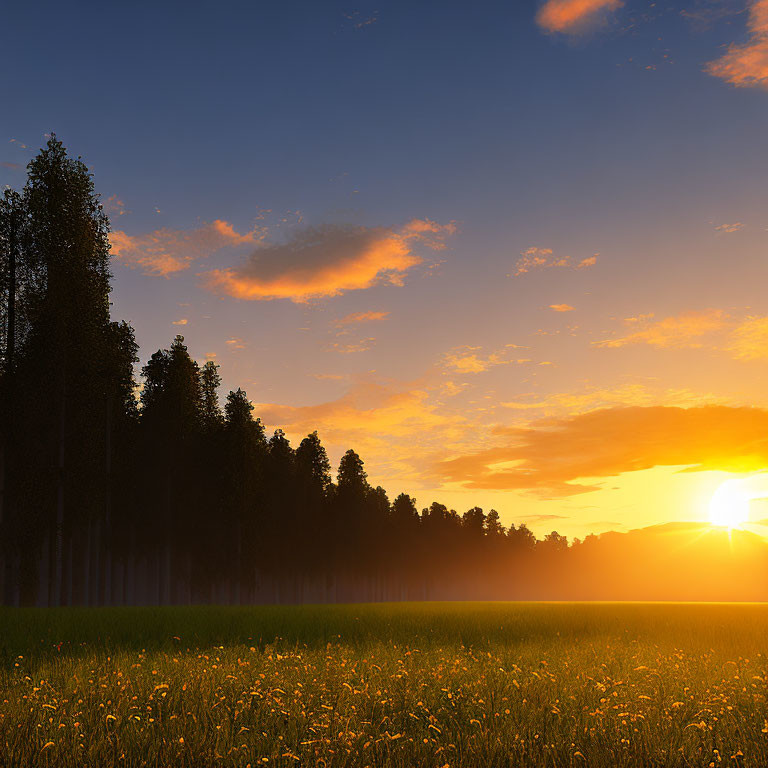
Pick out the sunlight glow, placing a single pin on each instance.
(729, 505)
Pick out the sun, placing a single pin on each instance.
(729, 505)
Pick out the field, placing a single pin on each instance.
(436, 684)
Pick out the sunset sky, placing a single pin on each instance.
(513, 253)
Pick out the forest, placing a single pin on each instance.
(122, 485)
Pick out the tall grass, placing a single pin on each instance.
(493, 684)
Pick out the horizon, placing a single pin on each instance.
(512, 257)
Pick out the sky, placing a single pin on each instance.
(513, 253)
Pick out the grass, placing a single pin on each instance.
(437, 684)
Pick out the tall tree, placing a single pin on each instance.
(62, 385)
(244, 452)
(171, 423)
(210, 410)
(313, 481)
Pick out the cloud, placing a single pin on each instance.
(114, 206)
(473, 360)
(166, 251)
(358, 21)
(544, 258)
(235, 343)
(729, 228)
(183, 321)
(675, 332)
(392, 424)
(745, 65)
(11, 166)
(561, 307)
(551, 455)
(327, 261)
(574, 16)
(749, 340)
(363, 345)
(593, 398)
(361, 317)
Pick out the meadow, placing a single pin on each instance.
(433, 684)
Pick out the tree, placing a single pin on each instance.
(313, 481)
(12, 220)
(171, 422)
(349, 504)
(62, 386)
(493, 527)
(473, 522)
(244, 449)
(210, 410)
(404, 514)
(280, 502)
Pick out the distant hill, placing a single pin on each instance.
(673, 561)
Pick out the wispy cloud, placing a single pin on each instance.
(743, 338)
(114, 206)
(574, 16)
(561, 307)
(544, 258)
(361, 317)
(362, 345)
(745, 65)
(166, 251)
(750, 339)
(182, 321)
(728, 229)
(679, 331)
(11, 166)
(392, 424)
(359, 21)
(469, 359)
(327, 261)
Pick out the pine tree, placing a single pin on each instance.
(171, 425)
(244, 451)
(62, 387)
(313, 524)
(210, 410)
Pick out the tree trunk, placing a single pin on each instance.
(86, 596)
(105, 598)
(59, 530)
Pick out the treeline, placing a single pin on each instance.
(107, 498)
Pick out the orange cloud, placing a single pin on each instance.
(552, 455)
(182, 321)
(473, 360)
(327, 261)
(363, 345)
(114, 206)
(561, 307)
(729, 228)
(361, 317)
(746, 65)
(166, 251)
(392, 424)
(750, 339)
(671, 332)
(544, 258)
(573, 16)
